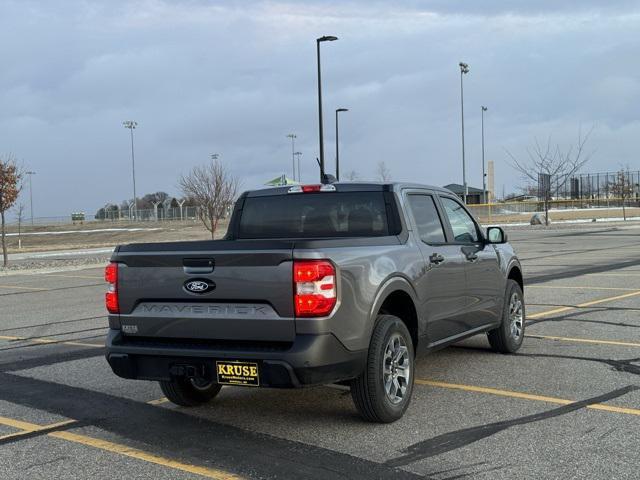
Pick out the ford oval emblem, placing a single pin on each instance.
(199, 286)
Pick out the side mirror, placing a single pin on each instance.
(496, 235)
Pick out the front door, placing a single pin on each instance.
(442, 287)
(485, 282)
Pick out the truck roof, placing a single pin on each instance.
(349, 187)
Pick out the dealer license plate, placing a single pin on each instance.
(231, 372)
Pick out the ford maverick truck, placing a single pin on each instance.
(314, 284)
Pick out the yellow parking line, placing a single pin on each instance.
(105, 445)
(17, 287)
(49, 341)
(525, 396)
(141, 455)
(635, 293)
(550, 312)
(158, 401)
(613, 274)
(586, 340)
(27, 427)
(570, 287)
(19, 424)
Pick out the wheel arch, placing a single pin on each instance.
(397, 297)
(515, 273)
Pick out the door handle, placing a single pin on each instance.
(198, 266)
(436, 258)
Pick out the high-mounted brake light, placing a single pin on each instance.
(314, 283)
(111, 297)
(312, 188)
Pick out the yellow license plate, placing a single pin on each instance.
(238, 373)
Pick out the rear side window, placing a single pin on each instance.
(315, 215)
(427, 219)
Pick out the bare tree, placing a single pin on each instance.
(213, 189)
(352, 175)
(550, 167)
(10, 186)
(382, 172)
(621, 187)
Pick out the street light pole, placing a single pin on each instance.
(293, 137)
(326, 38)
(464, 69)
(131, 125)
(30, 173)
(484, 175)
(298, 154)
(338, 142)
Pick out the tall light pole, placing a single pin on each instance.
(326, 38)
(464, 69)
(338, 110)
(131, 125)
(30, 173)
(293, 137)
(215, 156)
(484, 175)
(298, 154)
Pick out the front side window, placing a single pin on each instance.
(463, 226)
(427, 219)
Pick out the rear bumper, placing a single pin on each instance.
(308, 360)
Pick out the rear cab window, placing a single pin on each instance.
(315, 215)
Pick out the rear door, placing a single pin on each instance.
(485, 281)
(442, 287)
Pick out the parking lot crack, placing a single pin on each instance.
(626, 366)
(461, 438)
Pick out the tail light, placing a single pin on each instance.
(111, 297)
(314, 283)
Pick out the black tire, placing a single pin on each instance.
(368, 390)
(504, 338)
(187, 392)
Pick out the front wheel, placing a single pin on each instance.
(508, 337)
(383, 392)
(189, 392)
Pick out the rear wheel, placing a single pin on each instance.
(190, 392)
(508, 337)
(383, 392)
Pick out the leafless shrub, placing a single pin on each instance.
(550, 161)
(213, 189)
(382, 172)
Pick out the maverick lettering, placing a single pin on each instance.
(208, 309)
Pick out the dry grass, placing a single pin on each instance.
(85, 237)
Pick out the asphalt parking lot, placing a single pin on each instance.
(566, 406)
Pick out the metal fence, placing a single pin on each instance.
(184, 214)
(592, 186)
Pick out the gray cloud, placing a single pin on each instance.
(236, 77)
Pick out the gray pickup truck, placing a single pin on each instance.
(314, 284)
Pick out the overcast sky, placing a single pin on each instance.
(235, 78)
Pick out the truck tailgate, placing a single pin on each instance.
(250, 294)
